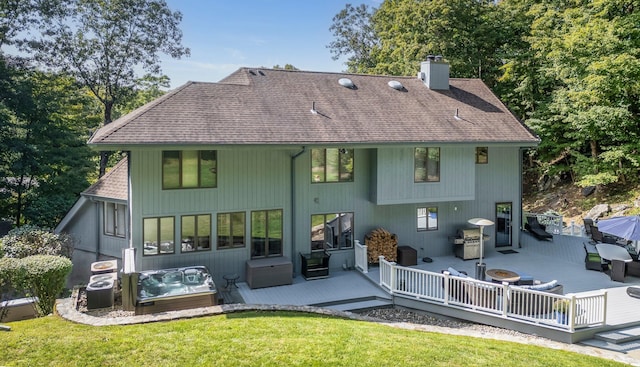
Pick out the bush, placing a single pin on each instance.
(10, 276)
(44, 277)
(31, 240)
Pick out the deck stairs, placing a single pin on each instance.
(618, 340)
(357, 304)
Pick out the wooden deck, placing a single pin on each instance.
(561, 259)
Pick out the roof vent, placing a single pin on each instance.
(395, 85)
(346, 82)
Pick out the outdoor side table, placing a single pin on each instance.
(231, 280)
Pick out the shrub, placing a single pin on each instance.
(44, 278)
(10, 276)
(31, 240)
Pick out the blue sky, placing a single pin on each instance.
(224, 35)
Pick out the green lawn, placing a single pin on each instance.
(262, 339)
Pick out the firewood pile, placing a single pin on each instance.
(381, 242)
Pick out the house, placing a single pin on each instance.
(273, 163)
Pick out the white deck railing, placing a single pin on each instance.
(362, 262)
(521, 304)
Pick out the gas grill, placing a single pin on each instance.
(467, 243)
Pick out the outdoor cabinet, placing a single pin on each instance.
(269, 272)
(315, 265)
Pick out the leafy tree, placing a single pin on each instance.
(102, 43)
(590, 52)
(285, 67)
(355, 37)
(43, 157)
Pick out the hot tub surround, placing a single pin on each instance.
(174, 289)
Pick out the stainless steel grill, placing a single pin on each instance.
(467, 243)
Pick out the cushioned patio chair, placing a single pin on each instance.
(592, 259)
(536, 229)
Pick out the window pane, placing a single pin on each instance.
(433, 165)
(432, 219)
(190, 168)
(121, 215)
(420, 165)
(482, 155)
(317, 232)
(346, 165)
(109, 218)
(237, 226)
(317, 165)
(224, 230)
(150, 236)
(208, 169)
(204, 232)
(258, 233)
(346, 237)
(166, 235)
(170, 170)
(188, 233)
(275, 232)
(422, 219)
(333, 164)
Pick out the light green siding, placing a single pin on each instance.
(394, 182)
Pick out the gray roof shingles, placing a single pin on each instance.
(113, 185)
(265, 106)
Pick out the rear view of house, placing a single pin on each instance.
(274, 163)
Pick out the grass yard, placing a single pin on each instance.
(262, 339)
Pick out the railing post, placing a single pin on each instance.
(505, 298)
(446, 287)
(572, 313)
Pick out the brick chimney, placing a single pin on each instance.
(434, 73)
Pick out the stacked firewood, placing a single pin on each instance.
(381, 242)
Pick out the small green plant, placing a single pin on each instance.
(561, 306)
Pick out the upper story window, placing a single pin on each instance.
(158, 235)
(331, 165)
(196, 232)
(482, 155)
(182, 169)
(115, 219)
(427, 165)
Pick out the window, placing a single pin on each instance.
(428, 219)
(115, 219)
(158, 236)
(482, 155)
(189, 169)
(331, 165)
(266, 233)
(331, 231)
(427, 165)
(196, 233)
(231, 230)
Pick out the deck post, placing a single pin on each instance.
(505, 298)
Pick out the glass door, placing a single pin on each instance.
(503, 224)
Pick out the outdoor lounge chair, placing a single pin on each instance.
(536, 229)
(592, 259)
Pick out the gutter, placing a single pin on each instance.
(293, 205)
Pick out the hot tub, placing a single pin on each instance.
(174, 289)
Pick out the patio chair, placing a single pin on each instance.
(536, 229)
(592, 259)
(599, 237)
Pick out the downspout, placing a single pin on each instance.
(520, 157)
(293, 207)
(129, 210)
(99, 205)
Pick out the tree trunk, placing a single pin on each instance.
(594, 153)
(104, 155)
